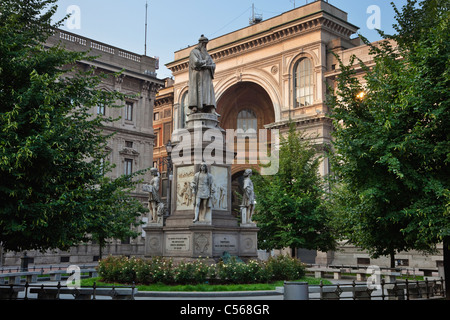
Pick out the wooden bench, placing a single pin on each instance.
(52, 293)
(16, 277)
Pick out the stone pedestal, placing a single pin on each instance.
(182, 239)
(154, 240)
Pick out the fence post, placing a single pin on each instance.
(26, 290)
(58, 286)
(434, 292)
(11, 288)
(353, 289)
(321, 289)
(419, 291)
(94, 286)
(407, 289)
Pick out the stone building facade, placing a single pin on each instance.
(271, 73)
(275, 72)
(267, 75)
(131, 147)
(163, 127)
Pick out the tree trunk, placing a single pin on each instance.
(392, 255)
(101, 244)
(446, 249)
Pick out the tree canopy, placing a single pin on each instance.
(52, 148)
(290, 211)
(392, 142)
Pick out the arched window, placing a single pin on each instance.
(183, 109)
(303, 83)
(246, 119)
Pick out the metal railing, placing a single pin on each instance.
(397, 290)
(29, 291)
(43, 268)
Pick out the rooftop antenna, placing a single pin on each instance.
(256, 18)
(145, 45)
(293, 2)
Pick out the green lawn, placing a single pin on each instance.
(203, 287)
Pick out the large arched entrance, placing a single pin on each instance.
(245, 96)
(244, 105)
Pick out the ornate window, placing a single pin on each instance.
(101, 109)
(183, 109)
(246, 119)
(128, 166)
(303, 83)
(129, 111)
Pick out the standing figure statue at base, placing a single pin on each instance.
(202, 187)
(155, 205)
(248, 198)
(201, 74)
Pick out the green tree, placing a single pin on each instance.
(290, 210)
(51, 146)
(392, 143)
(120, 213)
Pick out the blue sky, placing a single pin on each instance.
(175, 24)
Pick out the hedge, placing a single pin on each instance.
(163, 270)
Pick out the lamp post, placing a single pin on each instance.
(361, 95)
(168, 172)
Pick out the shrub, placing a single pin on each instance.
(111, 268)
(259, 271)
(284, 267)
(229, 272)
(161, 270)
(236, 272)
(191, 272)
(157, 270)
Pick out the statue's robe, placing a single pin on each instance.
(201, 90)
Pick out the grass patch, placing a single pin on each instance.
(203, 287)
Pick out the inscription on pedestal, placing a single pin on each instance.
(177, 242)
(225, 243)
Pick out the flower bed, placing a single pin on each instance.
(162, 270)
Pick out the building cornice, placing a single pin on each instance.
(299, 121)
(294, 28)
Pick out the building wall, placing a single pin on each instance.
(133, 139)
(255, 69)
(163, 127)
(265, 55)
